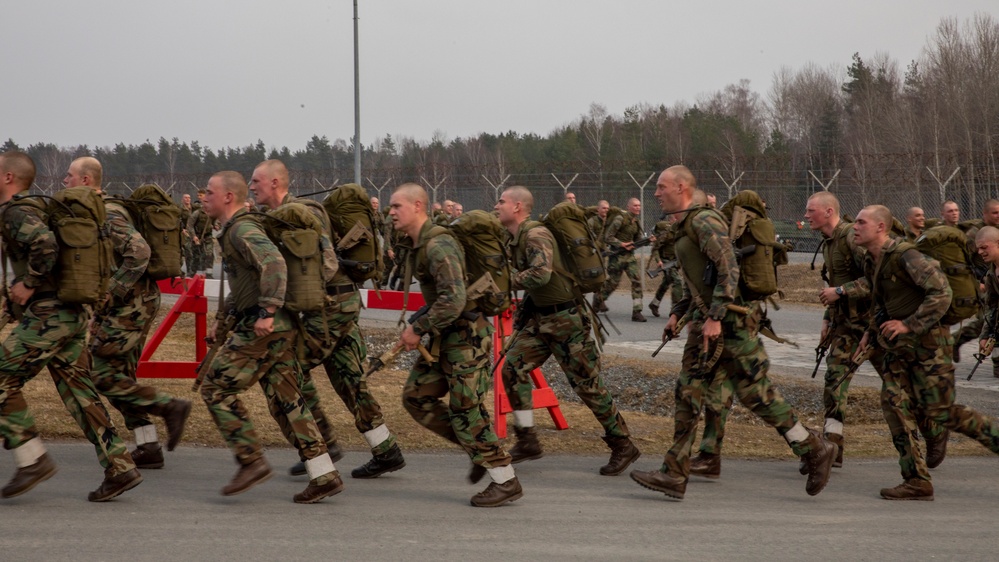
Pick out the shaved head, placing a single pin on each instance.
(88, 166)
(699, 197)
(277, 170)
(987, 234)
(683, 175)
(233, 182)
(413, 192)
(522, 195)
(827, 200)
(20, 166)
(880, 214)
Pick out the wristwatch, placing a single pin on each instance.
(839, 291)
(262, 314)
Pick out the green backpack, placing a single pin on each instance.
(297, 232)
(577, 245)
(749, 225)
(77, 217)
(157, 218)
(948, 245)
(487, 269)
(355, 225)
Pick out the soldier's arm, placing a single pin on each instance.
(713, 240)
(990, 305)
(445, 266)
(26, 225)
(250, 241)
(133, 250)
(540, 259)
(610, 233)
(858, 288)
(926, 273)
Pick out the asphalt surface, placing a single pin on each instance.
(756, 511)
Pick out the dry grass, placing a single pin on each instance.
(798, 281)
(638, 385)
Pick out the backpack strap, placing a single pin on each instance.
(435, 231)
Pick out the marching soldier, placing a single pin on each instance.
(461, 340)
(620, 235)
(120, 327)
(552, 323)
(260, 349)
(199, 226)
(49, 333)
(663, 254)
(598, 225)
(911, 296)
(185, 215)
(720, 331)
(334, 340)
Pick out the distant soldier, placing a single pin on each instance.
(185, 215)
(119, 331)
(970, 330)
(620, 235)
(915, 220)
(911, 296)
(950, 213)
(721, 342)
(48, 333)
(570, 197)
(553, 323)
(260, 350)
(458, 210)
(598, 224)
(664, 256)
(199, 226)
(462, 339)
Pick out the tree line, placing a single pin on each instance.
(871, 125)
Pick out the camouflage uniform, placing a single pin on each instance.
(624, 227)
(200, 225)
(663, 250)
(743, 360)
(186, 243)
(122, 325)
(918, 373)
(462, 347)
(257, 277)
(334, 340)
(49, 334)
(555, 325)
(971, 328)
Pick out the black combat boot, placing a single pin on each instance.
(389, 461)
(528, 447)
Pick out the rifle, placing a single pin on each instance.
(987, 351)
(822, 349)
(680, 324)
(617, 251)
(228, 323)
(854, 365)
(653, 273)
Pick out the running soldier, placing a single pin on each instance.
(199, 226)
(120, 327)
(620, 235)
(911, 296)
(461, 340)
(723, 331)
(260, 349)
(185, 215)
(334, 340)
(664, 256)
(552, 322)
(970, 330)
(49, 333)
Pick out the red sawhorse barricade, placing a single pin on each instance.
(192, 299)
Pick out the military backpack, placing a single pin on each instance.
(577, 245)
(354, 224)
(77, 217)
(297, 233)
(948, 245)
(750, 227)
(157, 218)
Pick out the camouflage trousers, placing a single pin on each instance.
(745, 363)
(204, 255)
(247, 359)
(673, 284)
(970, 330)
(566, 334)
(628, 264)
(116, 345)
(336, 343)
(462, 372)
(717, 405)
(52, 334)
(918, 377)
(189, 265)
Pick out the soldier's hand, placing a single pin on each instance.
(628, 245)
(21, 294)
(862, 348)
(391, 255)
(828, 296)
(670, 329)
(196, 240)
(409, 339)
(263, 327)
(212, 334)
(711, 331)
(986, 346)
(825, 330)
(894, 328)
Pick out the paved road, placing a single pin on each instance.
(757, 511)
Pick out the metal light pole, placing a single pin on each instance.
(357, 106)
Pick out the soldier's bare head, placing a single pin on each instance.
(408, 208)
(916, 218)
(226, 194)
(514, 206)
(872, 227)
(84, 171)
(991, 213)
(17, 170)
(634, 206)
(603, 207)
(825, 200)
(675, 188)
(269, 183)
(822, 212)
(700, 198)
(987, 243)
(570, 197)
(951, 213)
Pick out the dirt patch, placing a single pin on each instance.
(643, 390)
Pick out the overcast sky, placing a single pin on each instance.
(226, 73)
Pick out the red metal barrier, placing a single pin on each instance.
(192, 299)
